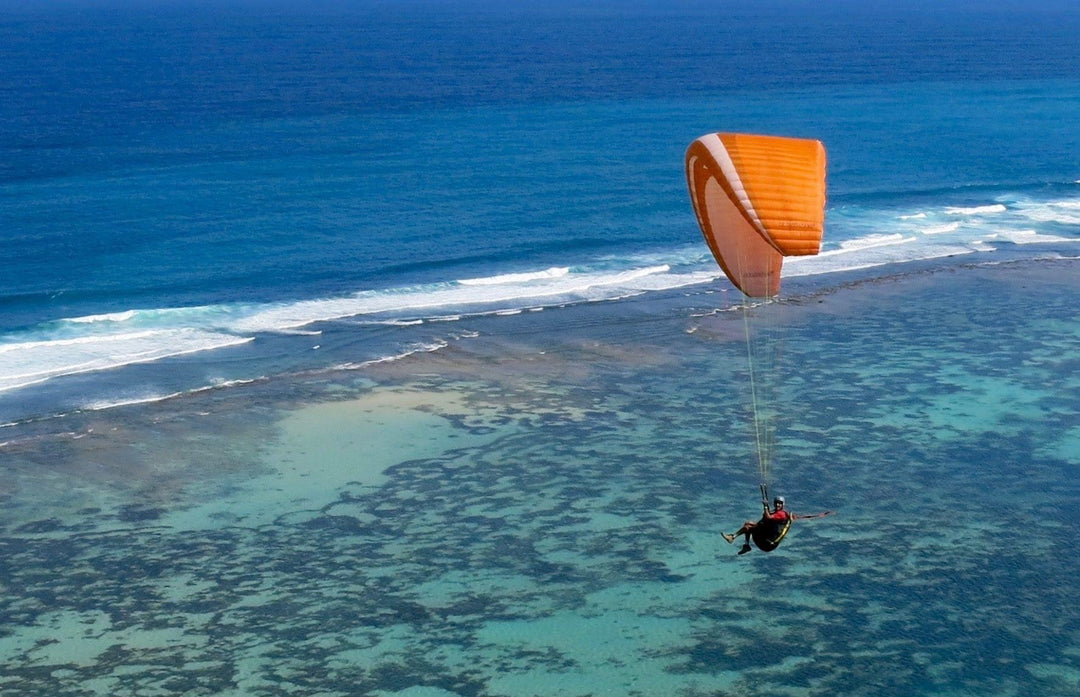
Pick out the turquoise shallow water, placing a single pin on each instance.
(537, 511)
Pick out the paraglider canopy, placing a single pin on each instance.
(757, 199)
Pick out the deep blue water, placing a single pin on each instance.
(191, 176)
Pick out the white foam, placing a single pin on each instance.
(977, 210)
(33, 362)
(937, 233)
(216, 384)
(109, 340)
(220, 383)
(110, 317)
(1029, 237)
(554, 272)
(868, 242)
(581, 286)
(878, 250)
(418, 348)
(812, 266)
(1054, 212)
(103, 405)
(940, 229)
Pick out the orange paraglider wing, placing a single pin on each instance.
(757, 199)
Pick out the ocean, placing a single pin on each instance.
(372, 348)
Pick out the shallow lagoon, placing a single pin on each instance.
(537, 511)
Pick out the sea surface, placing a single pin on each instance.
(369, 348)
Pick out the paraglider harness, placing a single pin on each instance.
(768, 533)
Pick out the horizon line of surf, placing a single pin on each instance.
(107, 341)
